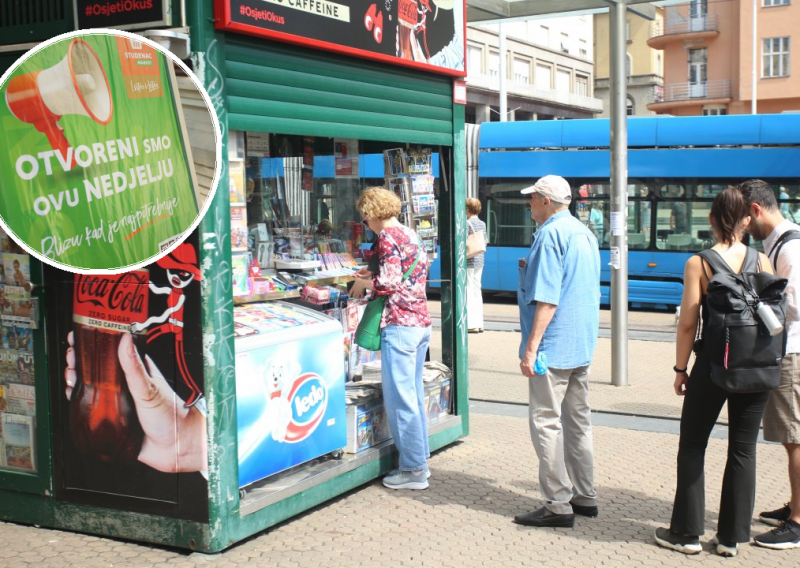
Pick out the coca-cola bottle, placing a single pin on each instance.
(103, 419)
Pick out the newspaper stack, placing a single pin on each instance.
(434, 370)
(357, 393)
(371, 372)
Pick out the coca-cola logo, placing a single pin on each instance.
(127, 292)
(407, 11)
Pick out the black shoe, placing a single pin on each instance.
(544, 518)
(678, 542)
(584, 511)
(777, 517)
(784, 537)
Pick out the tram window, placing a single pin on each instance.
(640, 214)
(594, 213)
(683, 225)
(788, 196)
(507, 215)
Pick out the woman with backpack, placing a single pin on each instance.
(704, 398)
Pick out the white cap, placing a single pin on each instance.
(554, 187)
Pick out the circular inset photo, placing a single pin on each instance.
(110, 154)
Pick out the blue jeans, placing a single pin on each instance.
(402, 359)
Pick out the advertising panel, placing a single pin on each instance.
(130, 418)
(121, 14)
(94, 168)
(425, 34)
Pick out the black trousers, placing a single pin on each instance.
(701, 409)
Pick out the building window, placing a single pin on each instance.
(698, 8)
(494, 64)
(583, 49)
(564, 42)
(474, 60)
(544, 76)
(582, 85)
(631, 107)
(628, 32)
(698, 72)
(715, 110)
(628, 64)
(522, 70)
(768, 3)
(545, 36)
(776, 57)
(563, 77)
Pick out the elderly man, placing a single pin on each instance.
(559, 304)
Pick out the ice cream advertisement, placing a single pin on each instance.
(95, 170)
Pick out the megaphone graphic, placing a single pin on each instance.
(76, 85)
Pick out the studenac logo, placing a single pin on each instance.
(309, 400)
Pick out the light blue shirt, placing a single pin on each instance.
(562, 268)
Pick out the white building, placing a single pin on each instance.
(549, 70)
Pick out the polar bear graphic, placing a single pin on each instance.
(278, 380)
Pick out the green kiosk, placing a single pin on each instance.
(231, 397)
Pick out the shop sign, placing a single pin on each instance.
(423, 34)
(121, 14)
(460, 92)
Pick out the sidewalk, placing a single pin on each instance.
(478, 485)
(464, 519)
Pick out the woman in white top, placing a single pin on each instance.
(474, 270)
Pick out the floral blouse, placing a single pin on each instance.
(406, 303)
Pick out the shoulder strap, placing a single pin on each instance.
(718, 264)
(778, 245)
(469, 226)
(751, 261)
(416, 261)
(715, 261)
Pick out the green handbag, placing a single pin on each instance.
(368, 332)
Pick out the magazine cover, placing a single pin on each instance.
(17, 269)
(16, 334)
(239, 228)
(241, 284)
(21, 399)
(3, 398)
(5, 243)
(18, 441)
(16, 367)
(236, 181)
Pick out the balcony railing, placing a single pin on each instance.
(685, 25)
(720, 89)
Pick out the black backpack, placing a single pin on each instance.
(744, 357)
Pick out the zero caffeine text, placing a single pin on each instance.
(28, 166)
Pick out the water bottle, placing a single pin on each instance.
(540, 366)
(768, 318)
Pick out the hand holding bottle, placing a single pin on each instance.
(175, 437)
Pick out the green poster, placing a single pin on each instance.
(94, 169)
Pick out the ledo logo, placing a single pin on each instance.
(309, 399)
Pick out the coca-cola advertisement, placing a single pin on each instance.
(425, 34)
(129, 387)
